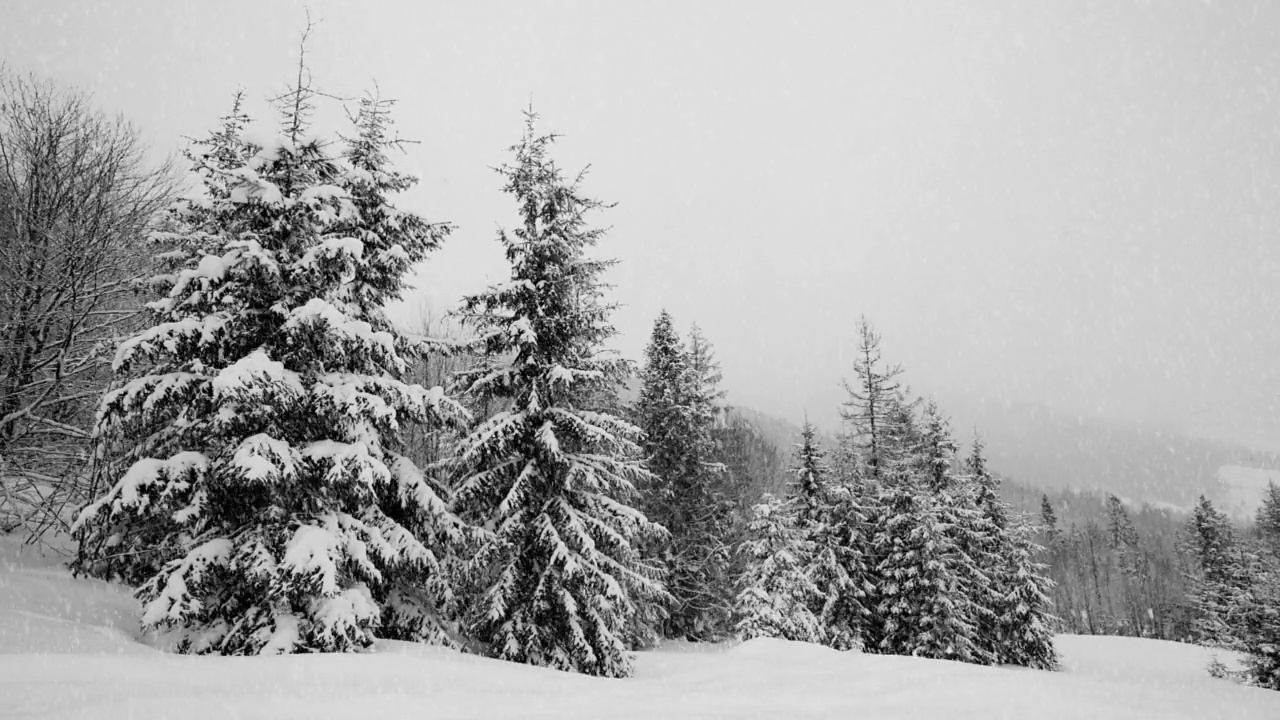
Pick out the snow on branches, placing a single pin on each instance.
(559, 576)
(254, 489)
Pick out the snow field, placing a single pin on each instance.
(70, 648)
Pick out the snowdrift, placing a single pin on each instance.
(70, 648)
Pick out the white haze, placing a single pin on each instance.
(1069, 203)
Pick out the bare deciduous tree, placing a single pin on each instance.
(76, 199)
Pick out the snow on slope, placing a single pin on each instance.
(69, 648)
(1246, 487)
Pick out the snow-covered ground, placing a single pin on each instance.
(69, 648)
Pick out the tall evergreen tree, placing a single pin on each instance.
(842, 567)
(921, 608)
(1023, 619)
(677, 409)
(986, 486)
(829, 516)
(717, 491)
(936, 452)
(1012, 591)
(809, 486)
(551, 477)
(1214, 574)
(707, 376)
(256, 489)
(1049, 521)
(777, 592)
(1268, 517)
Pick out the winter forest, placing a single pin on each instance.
(206, 405)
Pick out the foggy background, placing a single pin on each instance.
(1049, 210)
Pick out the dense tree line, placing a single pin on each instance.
(1116, 571)
(1233, 583)
(893, 545)
(1191, 577)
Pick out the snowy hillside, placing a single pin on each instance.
(69, 649)
(1245, 488)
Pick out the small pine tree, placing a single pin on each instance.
(777, 593)
(256, 489)
(551, 476)
(1049, 522)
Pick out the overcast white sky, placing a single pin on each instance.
(1070, 203)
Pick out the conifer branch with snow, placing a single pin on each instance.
(257, 490)
(551, 477)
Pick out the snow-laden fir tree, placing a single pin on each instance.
(921, 608)
(811, 475)
(1214, 578)
(777, 593)
(551, 477)
(1256, 622)
(978, 540)
(1023, 620)
(978, 517)
(1268, 517)
(830, 518)
(986, 486)
(710, 550)
(250, 449)
(677, 410)
(1004, 591)
(936, 449)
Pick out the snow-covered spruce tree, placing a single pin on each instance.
(979, 521)
(841, 567)
(978, 541)
(1214, 577)
(661, 411)
(1256, 620)
(1023, 620)
(920, 606)
(1268, 517)
(830, 518)
(676, 409)
(718, 492)
(776, 593)
(1003, 591)
(250, 449)
(809, 488)
(551, 477)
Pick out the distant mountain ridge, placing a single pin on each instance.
(1046, 449)
(1040, 448)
